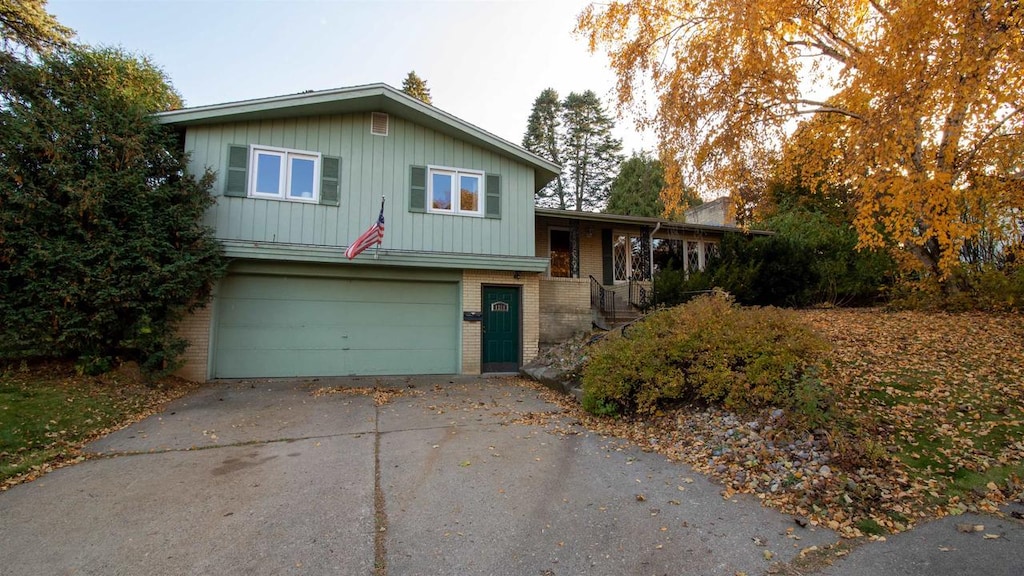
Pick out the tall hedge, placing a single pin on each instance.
(102, 248)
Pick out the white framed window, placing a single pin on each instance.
(455, 191)
(284, 174)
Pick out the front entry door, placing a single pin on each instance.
(501, 342)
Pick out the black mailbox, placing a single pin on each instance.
(473, 316)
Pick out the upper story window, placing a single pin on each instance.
(266, 172)
(285, 174)
(455, 191)
(441, 190)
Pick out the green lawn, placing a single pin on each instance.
(47, 414)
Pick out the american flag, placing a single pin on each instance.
(373, 235)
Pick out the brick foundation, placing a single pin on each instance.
(564, 308)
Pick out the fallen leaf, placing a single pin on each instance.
(990, 536)
(969, 528)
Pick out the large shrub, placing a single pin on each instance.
(808, 260)
(101, 243)
(757, 271)
(712, 350)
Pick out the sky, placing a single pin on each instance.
(484, 61)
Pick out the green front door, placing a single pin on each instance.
(501, 321)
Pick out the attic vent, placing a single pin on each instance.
(379, 124)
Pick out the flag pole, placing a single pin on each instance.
(376, 253)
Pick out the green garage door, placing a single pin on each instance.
(282, 326)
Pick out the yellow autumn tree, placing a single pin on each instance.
(915, 106)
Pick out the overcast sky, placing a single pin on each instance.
(484, 61)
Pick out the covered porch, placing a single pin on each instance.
(602, 266)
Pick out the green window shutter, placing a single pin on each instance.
(606, 257)
(235, 182)
(492, 205)
(330, 180)
(418, 189)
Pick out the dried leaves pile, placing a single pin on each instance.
(381, 394)
(932, 424)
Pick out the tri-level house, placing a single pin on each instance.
(470, 276)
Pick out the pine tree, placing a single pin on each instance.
(543, 138)
(416, 87)
(575, 133)
(592, 154)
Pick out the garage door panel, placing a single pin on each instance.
(333, 313)
(272, 326)
(377, 362)
(278, 288)
(329, 338)
(289, 316)
(260, 364)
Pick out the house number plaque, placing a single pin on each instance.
(499, 307)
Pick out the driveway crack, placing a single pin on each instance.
(380, 524)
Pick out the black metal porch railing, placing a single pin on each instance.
(640, 297)
(602, 300)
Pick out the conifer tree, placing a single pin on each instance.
(416, 87)
(576, 133)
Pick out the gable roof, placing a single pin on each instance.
(361, 99)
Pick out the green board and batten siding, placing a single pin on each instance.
(372, 166)
(290, 326)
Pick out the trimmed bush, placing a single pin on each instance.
(712, 350)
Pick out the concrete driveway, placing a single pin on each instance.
(464, 476)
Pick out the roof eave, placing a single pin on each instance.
(641, 220)
(370, 97)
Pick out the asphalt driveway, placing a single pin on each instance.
(465, 476)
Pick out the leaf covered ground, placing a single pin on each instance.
(929, 422)
(48, 412)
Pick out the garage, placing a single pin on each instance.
(286, 326)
